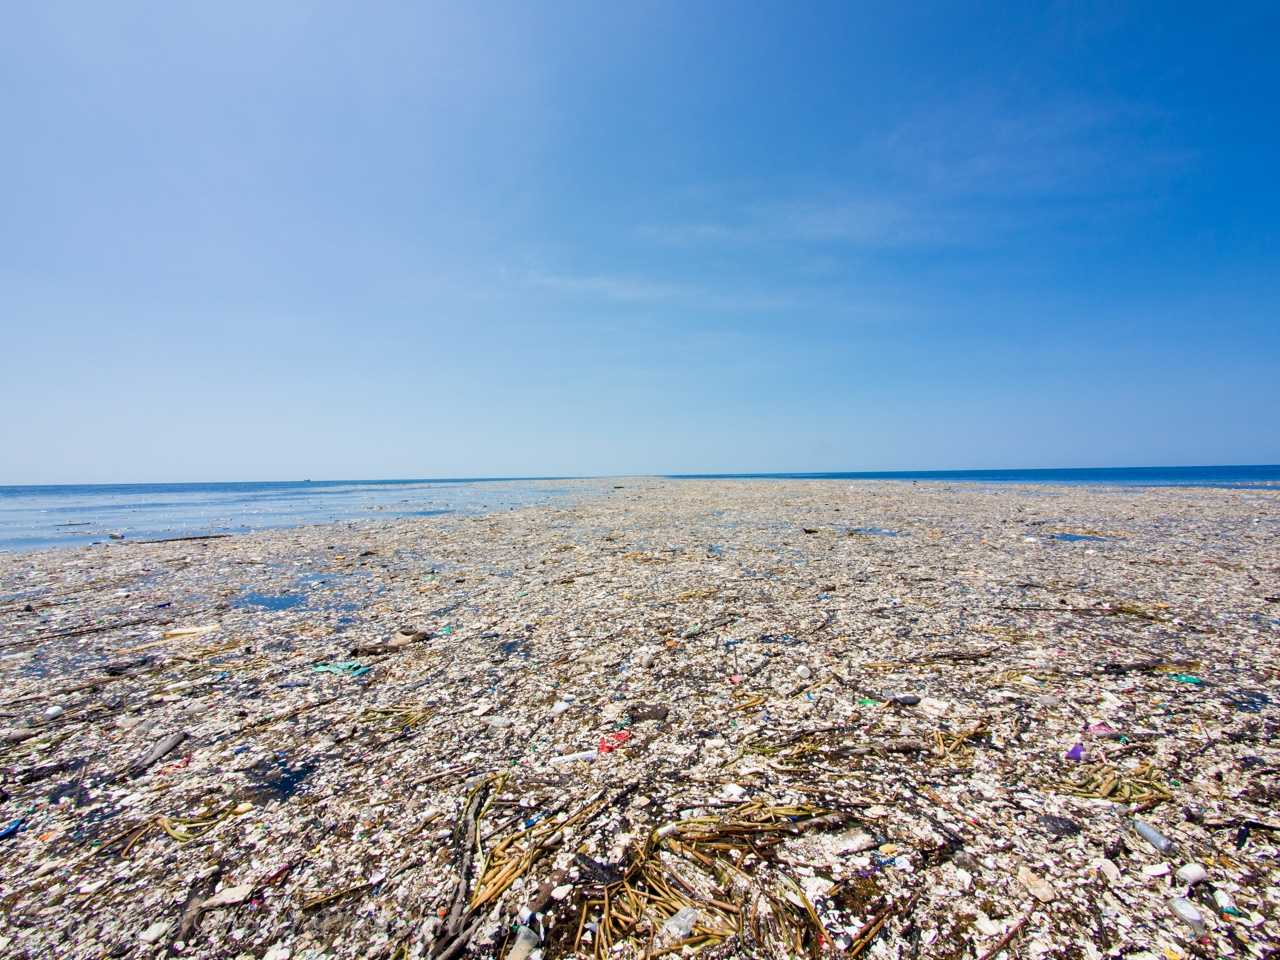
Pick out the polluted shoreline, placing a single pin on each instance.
(747, 718)
(73, 515)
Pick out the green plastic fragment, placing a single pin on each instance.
(868, 702)
(351, 668)
(1186, 678)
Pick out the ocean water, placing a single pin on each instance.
(38, 517)
(77, 514)
(1236, 477)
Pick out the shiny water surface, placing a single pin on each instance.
(37, 517)
(1250, 476)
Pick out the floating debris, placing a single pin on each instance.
(1141, 784)
(660, 722)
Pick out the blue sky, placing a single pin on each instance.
(259, 241)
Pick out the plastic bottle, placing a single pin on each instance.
(1192, 873)
(1152, 836)
(587, 755)
(680, 924)
(525, 943)
(1186, 911)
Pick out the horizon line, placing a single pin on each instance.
(745, 474)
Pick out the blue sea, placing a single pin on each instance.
(1234, 477)
(70, 515)
(36, 517)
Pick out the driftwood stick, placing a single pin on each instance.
(1006, 939)
(454, 937)
(79, 632)
(206, 536)
(460, 942)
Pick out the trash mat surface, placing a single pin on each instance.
(671, 718)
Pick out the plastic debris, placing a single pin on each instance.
(526, 942)
(640, 712)
(1153, 836)
(587, 735)
(1059, 826)
(1186, 911)
(1192, 873)
(350, 668)
(182, 633)
(680, 924)
(1040, 888)
(583, 756)
(155, 931)
(228, 897)
(1222, 900)
(612, 741)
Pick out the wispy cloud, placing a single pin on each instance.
(989, 146)
(972, 171)
(883, 220)
(890, 220)
(977, 174)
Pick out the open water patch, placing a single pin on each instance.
(1249, 701)
(517, 647)
(269, 601)
(275, 778)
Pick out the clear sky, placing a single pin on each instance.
(306, 239)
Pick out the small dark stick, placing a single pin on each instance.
(1004, 941)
